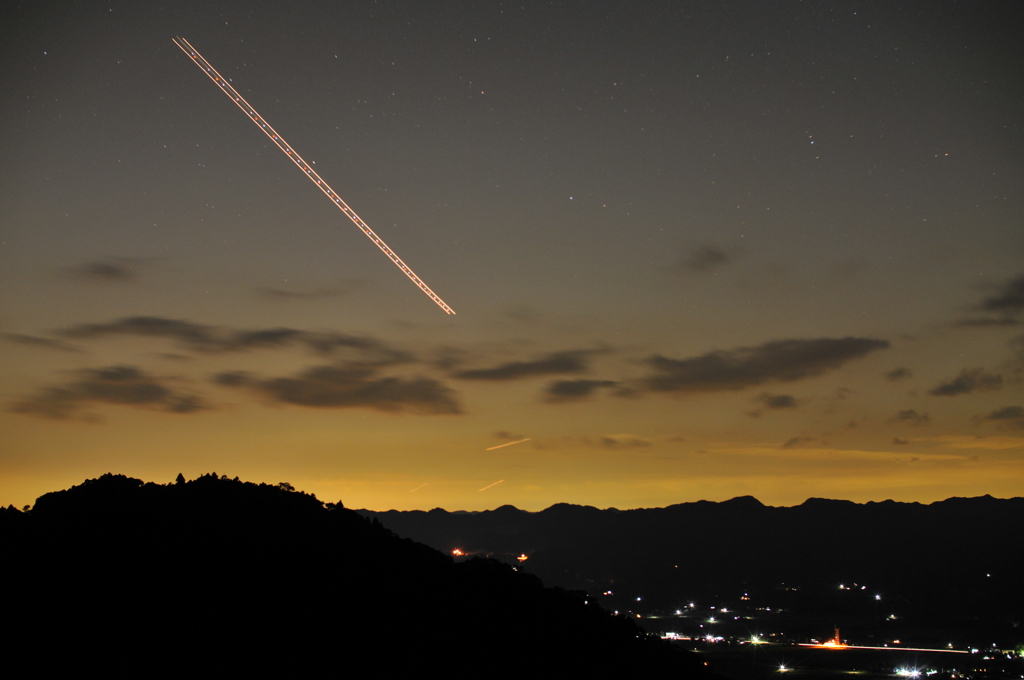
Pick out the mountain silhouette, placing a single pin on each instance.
(216, 576)
(957, 561)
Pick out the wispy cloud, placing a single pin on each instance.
(1008, 300)
(44, 343)
(616, 441)
(1001, 443)
(989, 322)
(122, 385)
(113, 270)
(772, 402)
(1004, 307)
(561, 391)
(193, 335)
(796, 441)
(210, 339)
(350, 386)
(1008, 417)
(575, 361)
(780, 360)
(899, 373)
(969, 380)
(705, 258)
(598, 441)
(911, 417)
(503, 434)
(233, 378)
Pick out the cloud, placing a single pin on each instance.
(841, 393)
(621, 442)
(899, 373)
(122, 385)
(781, 360)
(899, 442)
(771, 402)
(502, 434)
(617, 441)
(187, 403)
(796, 441)
(705, 258)
(263, 339)
(1008, 417)
(777, 401)
(33, 341)
(376, 352)
(296, 295)
(911, 417)
(233, 378)
(558, 362)
(351, 386)
(988, 323)
(172, 356)
(1004, 307)
(195, 336)
(447, 357)
(574, 390)
(978, 442)
(204, 338)
(116, 270)
(1009, 299)
(969, 380)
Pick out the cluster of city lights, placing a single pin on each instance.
(714, 620)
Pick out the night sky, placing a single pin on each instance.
(697, 250)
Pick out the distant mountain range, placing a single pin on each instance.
(216, 576)
(960, 559)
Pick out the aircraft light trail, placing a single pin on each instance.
(263, 125)
(501, 446)
(490, 485)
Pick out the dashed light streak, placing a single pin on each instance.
(501, 446)
(419, 487)
(490, 485)
(270, 132)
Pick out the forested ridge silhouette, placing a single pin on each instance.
(216, 575)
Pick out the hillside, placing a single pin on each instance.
(221, 576)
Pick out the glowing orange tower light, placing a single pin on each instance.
(835, 641)
(263, 125)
